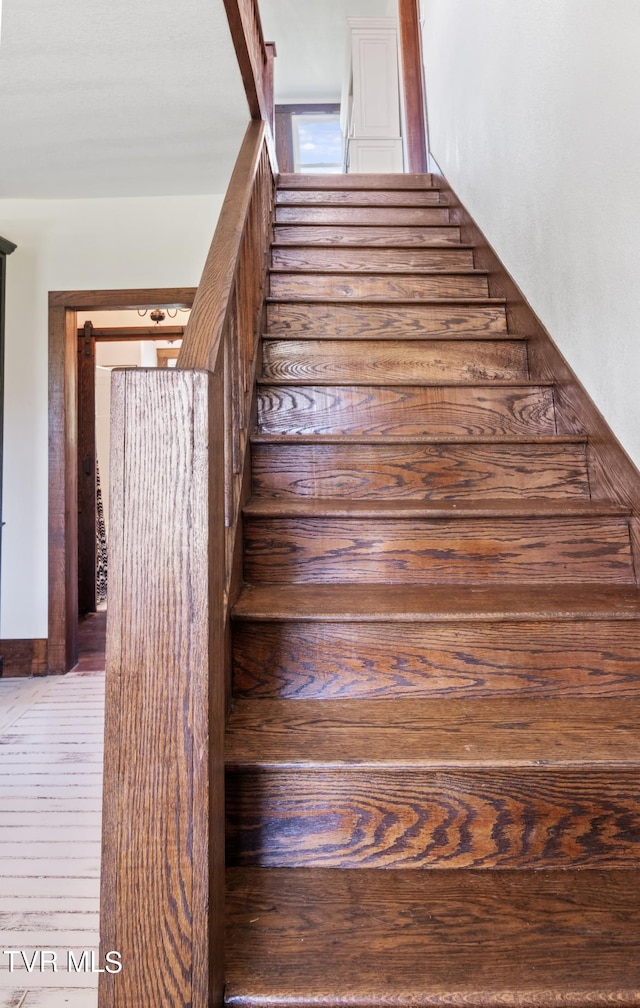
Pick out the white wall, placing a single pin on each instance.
(534, 119)
(71, 245)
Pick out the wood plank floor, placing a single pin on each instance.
(50, 799)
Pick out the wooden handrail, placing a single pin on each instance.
(255, 59)
(179, 447)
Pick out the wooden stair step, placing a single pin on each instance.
(443, 410)
(379, 286)
(405, 361)
(360, 197)
(414, 783)
(344, 320)
(367, 234)
(342, 544)
(316, 938)
(378, 471)
(275, 507)
(378, 216)
(384, 181)
(367, 259)
(443, 604)
(323, 659)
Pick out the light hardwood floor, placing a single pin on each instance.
(50, 795)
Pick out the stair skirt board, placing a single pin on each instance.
(433, 747)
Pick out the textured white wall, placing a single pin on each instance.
(71, 245)
(534, 115)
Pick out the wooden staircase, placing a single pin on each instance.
(433, 788)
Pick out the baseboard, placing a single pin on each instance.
(26, 657)
(612, 473)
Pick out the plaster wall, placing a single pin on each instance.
(71, 245)
(533, 118)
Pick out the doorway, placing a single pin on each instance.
(64, 309)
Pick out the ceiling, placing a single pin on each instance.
(311, 39)
(117, 98)
(144, 97)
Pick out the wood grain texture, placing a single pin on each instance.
(445, 410)
(355, 197)
(509, 733)
(162, 835)
(367, 259)
(353, 817)
(477, 938)
(412, 85)
(348, 321)
(373, 180)
(450, 604)
(243, 225)
(87, 494)
(371, 235)
(394, 360)
(291, 659)
(23, 657)
(448, 551)
(471, 471)
(380, 216)
(378, 287)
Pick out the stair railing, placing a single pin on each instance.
(179, 440)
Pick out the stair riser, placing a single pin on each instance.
(371, 235)
(365, 287)
(378, 216)
(341, 197)
(358, 180)
(419, 551)
(424, 472)
(369, 260)
(412, 818)
(306, 660)
(421, 322)
(404, 410)
(394, 360)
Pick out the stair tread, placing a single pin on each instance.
(434, 733)
(465, 301)
(541, 507)
(356, 180)
(410, 439)
(444, 603)
(364, 937)
(391, 274)
(515, 383)
(361, 246)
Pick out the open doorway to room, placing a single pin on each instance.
(66, 309)
(108, 340)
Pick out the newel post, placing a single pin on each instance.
(163, 833)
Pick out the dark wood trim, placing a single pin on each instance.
(412, 84)
(124, 300)
(6, 246)
(612, 473)
(284, 131)
(87, 506)
(118, 333)
(63, 479)
(310, 108)
(23, 657)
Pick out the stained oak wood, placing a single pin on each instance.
(444, 551)
(408, 321)
(467, 471)
(438, 734)
(451, 604)
(533, 939)
(446, 410)
(87, 505)
(367, 259)
(412, 85)
(414, 817)
(356, 197)
(294, 659)
(378, 286)
(373, 234)
(23, 657)
(373, 180)
(394, 360)
(165, 692)
(379, 216)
